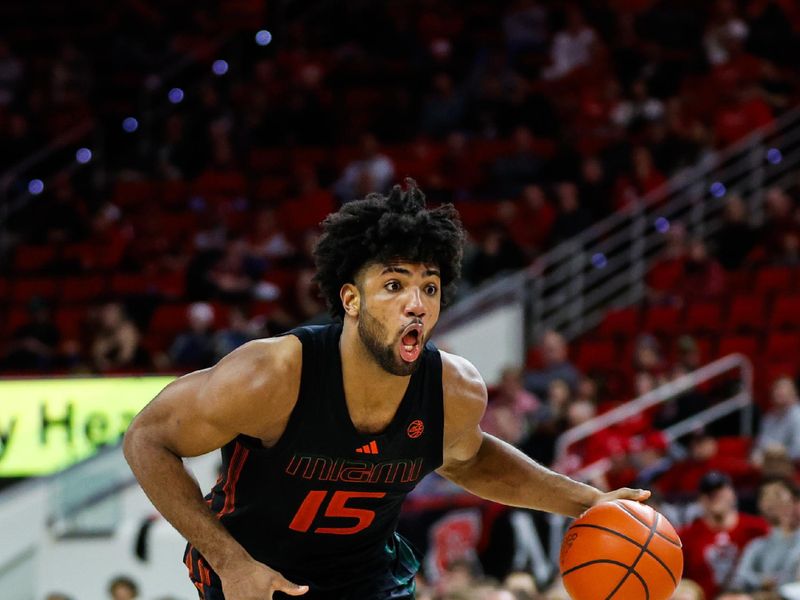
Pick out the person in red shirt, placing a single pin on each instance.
(713, 542)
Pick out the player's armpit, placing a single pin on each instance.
(250, 391)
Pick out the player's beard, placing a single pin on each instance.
(372, 333)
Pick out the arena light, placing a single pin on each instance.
(599, 260)
(83, 155)
(717, 189)
(219, 67)
(130, 124)
(263, 37)
(774, 156)
(35, 186)
(661, 225)
(175, 95)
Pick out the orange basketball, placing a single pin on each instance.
(621, 550)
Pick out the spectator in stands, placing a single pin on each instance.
(684, 477)
(195, 348)
(736, 238)
(525, 25)
(537, 216)
(724, 27)
(595, 189)
(713, 543)
(548, 422)
(34, 345)
(779, 220)
(268, 243)
(638, 110)
(123, 588)
(771, 561)
(571, 218)
(664, 282)
(444, 107)
(780, 426)
(116, 340)
(12, 71)
(496, 254)
(703, 276)
(372, 172)
(229, 277)
(688, 590)
(647, 355)
(777, 464)
(555, 365)
(572, 47)
(513, 171)
(240, 330)
(510, 408)
(631, 189)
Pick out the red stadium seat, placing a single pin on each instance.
(169, 319)
(785, 312)
(596, 354)
(620, 322)
(744, 344)
(30, 258)
(69, 320)
(782, 347)
(83, 289)
(136, 193)
(662, 320)
(25, 289)
(747, 313)
(703, 317)
(130, 284)
(770, 280)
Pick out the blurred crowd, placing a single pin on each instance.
(191, 230)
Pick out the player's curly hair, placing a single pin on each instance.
(381, 228)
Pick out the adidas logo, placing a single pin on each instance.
(371, 448)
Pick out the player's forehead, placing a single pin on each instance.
(400, 267)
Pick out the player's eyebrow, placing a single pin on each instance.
(403, 271)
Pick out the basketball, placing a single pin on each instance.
(621, 550)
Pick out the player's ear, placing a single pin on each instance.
(351, 299)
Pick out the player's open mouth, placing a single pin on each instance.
(409, 342)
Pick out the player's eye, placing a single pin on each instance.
(392, 286)
(431, 289)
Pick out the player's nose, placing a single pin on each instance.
(415, 307)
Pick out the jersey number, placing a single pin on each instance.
(309, 509)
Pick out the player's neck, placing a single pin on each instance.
(366, 383)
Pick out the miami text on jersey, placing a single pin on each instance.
(324, 468)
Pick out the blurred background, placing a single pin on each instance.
(628, 174)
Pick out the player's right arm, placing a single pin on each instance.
(251, 391)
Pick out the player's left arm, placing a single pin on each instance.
(495, 470)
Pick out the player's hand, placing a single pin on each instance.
(624, 494)
(253, 580)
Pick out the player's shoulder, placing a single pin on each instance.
(461, 381)
(261, 365)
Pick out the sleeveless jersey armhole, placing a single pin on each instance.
(306, 388)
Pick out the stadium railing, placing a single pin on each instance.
(741, 401)
(570, 287)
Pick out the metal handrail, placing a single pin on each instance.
(563, 282)
(660, 395)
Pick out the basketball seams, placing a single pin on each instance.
(608, 561)
(596, 561)
(632, 541)
(663, 536)
(632, 567)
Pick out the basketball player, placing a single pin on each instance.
(326, 429)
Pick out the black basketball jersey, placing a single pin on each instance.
(321, 505)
